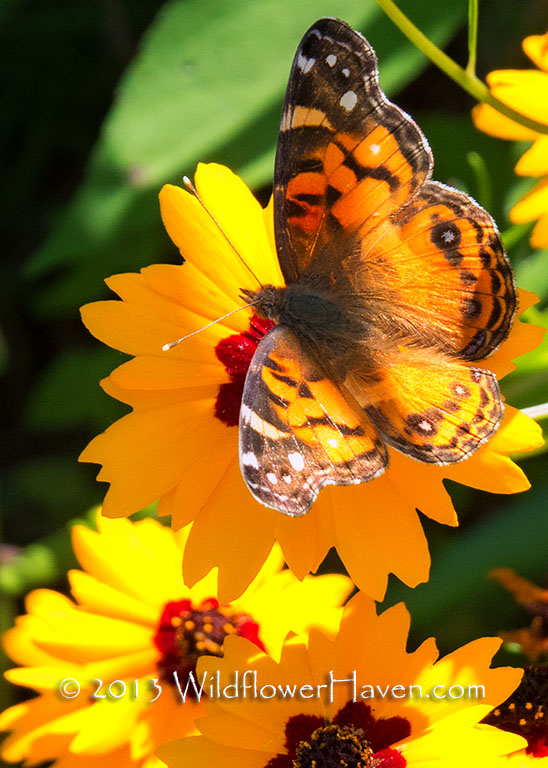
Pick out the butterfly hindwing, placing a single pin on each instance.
(433, 408)
(299, 430)
(346, 157)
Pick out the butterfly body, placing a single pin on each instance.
(395, 284)
(315, 314)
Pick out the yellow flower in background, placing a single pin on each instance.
(352, 720)
(525, 713)
(132, 625)
(526, 91)
(180, 443)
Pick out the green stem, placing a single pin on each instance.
(469, 82)
(472, 37)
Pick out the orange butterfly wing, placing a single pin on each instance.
(440, 264)
(430, 407)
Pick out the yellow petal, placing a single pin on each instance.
(523, 338)
(533, 205)
(492, 122)
(47, 678)
(197, 750)
(152, 464)
(518, 434)
(378, 517)
(306, 540)
(167, 373)
(425, 487)
(240, 238)
(454, 739)
(535, 161)
(101, 598)
(34, 737)
(526, 91)
(145, 570)
(204, 472)
(80, 637)
(230, 510)
(194, 292)
(241, 218)
(539, 236)
(491, 469)
(536, 47)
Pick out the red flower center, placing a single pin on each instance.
(355, 739)
(186, 632)
(525, 712)
(235, 353)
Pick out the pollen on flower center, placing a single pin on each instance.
(332, 746)
(526, 711)
(186, 632)
(354, 739)
(235, 353)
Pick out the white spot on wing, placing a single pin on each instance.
(346, 72)
(331, 59)
(272, 478)
(448, 236)
(287, 478)
(296, 461)
(250, 460)
(375, 149)
(253, 420)
(304, 64)
(286, 121)
(348, 101)
(245, 413)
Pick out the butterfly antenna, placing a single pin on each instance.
(191, 188)
(172, 344)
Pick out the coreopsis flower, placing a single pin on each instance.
(180, 443)
(359, 699)
(525, 712)
(532, 640)
(114, 669)
(526, 91)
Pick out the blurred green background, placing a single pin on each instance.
(106, 101)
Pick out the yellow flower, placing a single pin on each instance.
(526, 91)
(370, 717)
(525, 713)
(134, 624)
(177, 446)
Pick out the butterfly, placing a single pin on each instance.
(394, 285)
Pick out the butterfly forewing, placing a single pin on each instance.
(299, 429)
(346, 156)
